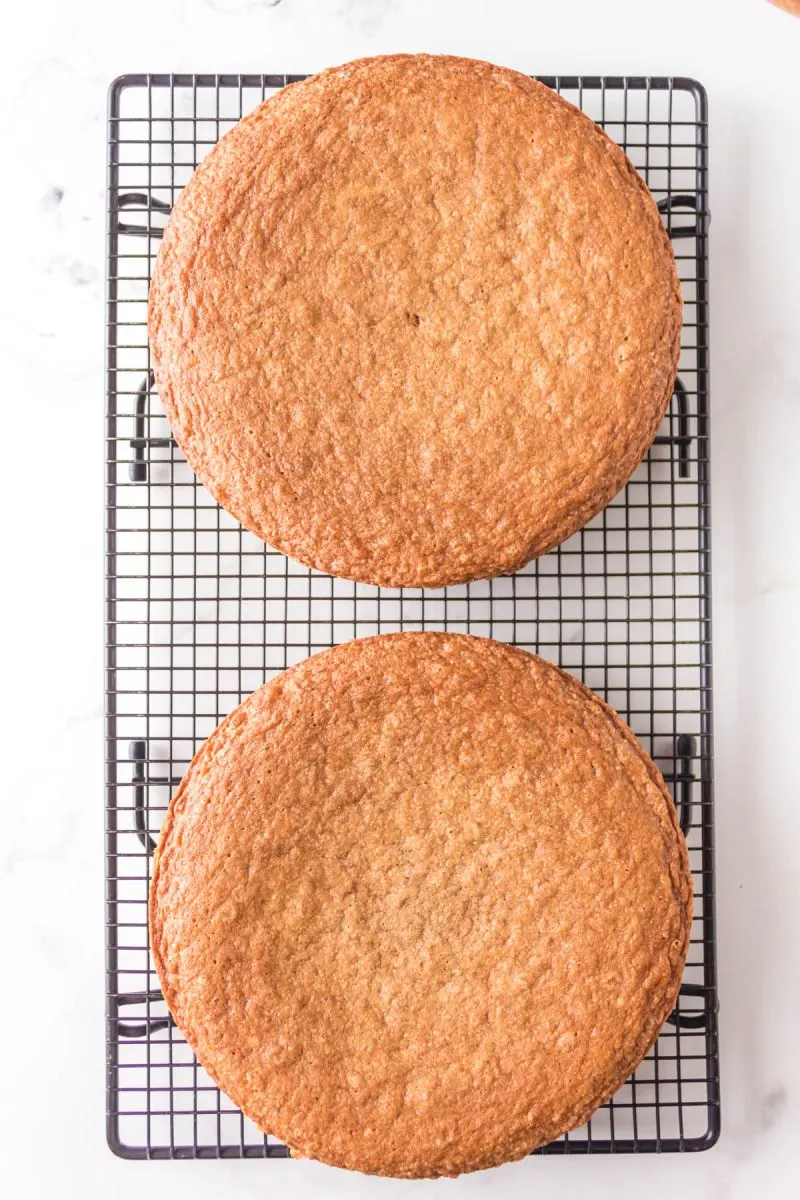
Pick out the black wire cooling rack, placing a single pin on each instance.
(199, 613)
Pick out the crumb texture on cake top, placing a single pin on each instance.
(421, 904)
(415, 320)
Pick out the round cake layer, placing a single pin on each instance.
(421, 904)
(415, 320)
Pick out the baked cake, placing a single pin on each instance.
(421, 904)
(415, 320)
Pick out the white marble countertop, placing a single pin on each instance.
(58, 61)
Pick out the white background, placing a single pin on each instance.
(57, 61)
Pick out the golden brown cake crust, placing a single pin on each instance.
(421, 904)
(415, 320)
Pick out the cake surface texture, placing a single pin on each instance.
(421, 904)
(415, 320)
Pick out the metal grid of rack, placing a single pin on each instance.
(200, 613)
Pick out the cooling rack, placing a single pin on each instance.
(199, 613)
